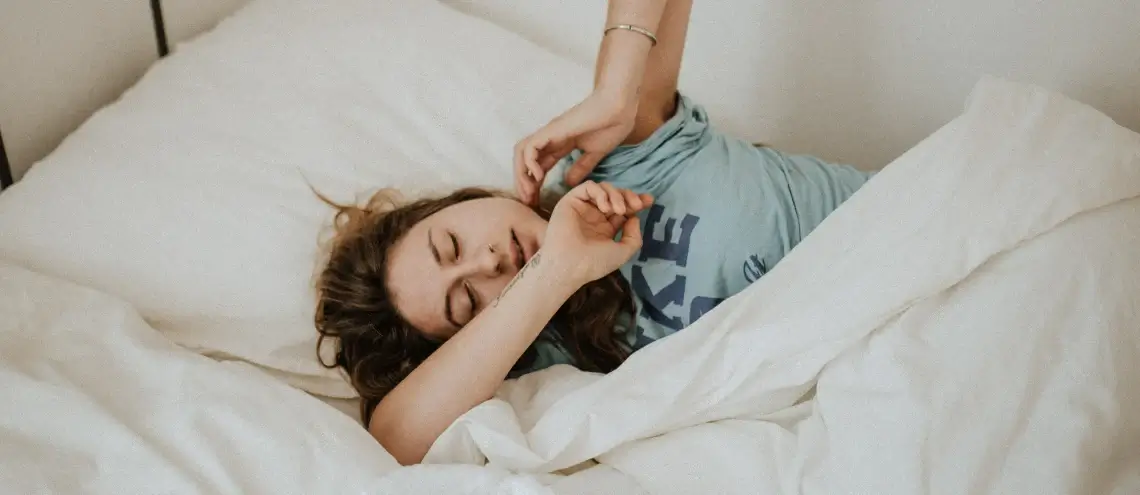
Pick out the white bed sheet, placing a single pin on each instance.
(98, 402)
(95, 401)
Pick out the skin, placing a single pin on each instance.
(430, 280)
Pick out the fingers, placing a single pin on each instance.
(612, 200)
(523, 187)
(608, 199)
(631, 235)
(546, 146)
(632, 200)
(598, 196)
(526, 185)
(619, 208)
(582, 168)
(616, 221)
(534, 156)
(530, 154)
(616, 199)
(529, 174)
(634, 204)
(541, 150)
(552, 153)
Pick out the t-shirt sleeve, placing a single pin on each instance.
(652, 165)
(548, 352)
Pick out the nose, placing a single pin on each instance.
(484, 263)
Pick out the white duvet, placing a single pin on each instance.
(969, 322)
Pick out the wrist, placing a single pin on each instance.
(561, 273)
(621, 64)
(617, 105)
(620, 85)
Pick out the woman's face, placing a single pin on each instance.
(457, 261)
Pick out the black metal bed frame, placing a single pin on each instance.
(5, 168)
(6, 178)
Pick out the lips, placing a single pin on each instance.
(518, 255)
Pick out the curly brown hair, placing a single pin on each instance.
(378, 348)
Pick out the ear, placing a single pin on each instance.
(547, 200)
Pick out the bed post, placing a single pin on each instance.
(159, 28)
(5, 167)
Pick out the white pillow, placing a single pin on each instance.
(188, 197)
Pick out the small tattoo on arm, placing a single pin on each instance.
(534, 261)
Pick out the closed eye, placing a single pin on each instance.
(447, 312)
(454, 245)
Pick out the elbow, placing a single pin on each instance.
(399, 440)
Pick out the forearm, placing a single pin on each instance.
(623, 54)
(657, 99)
(633, 71)
(468, 368)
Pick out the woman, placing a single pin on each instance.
(434, 303)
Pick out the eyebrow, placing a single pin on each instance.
(447, 296)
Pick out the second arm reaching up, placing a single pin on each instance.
(635, 84)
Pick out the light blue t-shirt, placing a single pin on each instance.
(725, 212)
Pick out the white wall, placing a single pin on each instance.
(60, 61)
(861, 81)
(875, 77)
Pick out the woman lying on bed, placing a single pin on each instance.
(433, 304)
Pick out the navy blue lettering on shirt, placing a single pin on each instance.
(754, 268)
(654, 304)
(666, 249)
(640, 339)
(666, 309)
(701, 305)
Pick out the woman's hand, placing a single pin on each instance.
(582, 228)
(595, 126)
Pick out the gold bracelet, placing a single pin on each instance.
(649, 34)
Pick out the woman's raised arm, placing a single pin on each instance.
(635, 80)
